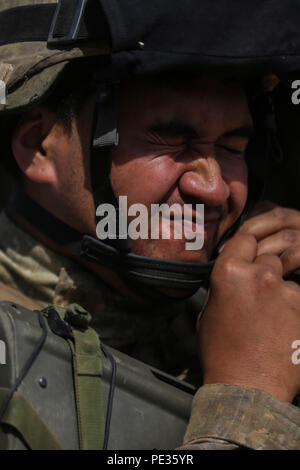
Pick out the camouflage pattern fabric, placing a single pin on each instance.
(231, 417)
(223, 416)
(29, 69)
(160, 335)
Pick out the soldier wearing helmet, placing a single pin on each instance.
(103, 101)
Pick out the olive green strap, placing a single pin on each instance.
(21, 416)
(87, 370)
(87, 377)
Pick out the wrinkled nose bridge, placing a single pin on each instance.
(203, 162)
(197, 154)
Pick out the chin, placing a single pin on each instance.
(173, 250)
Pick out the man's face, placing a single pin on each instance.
(183, 142)
(180, 142)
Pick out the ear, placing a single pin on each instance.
(32, 145)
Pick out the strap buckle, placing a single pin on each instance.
(71, 36)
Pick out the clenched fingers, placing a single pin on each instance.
(279, 242)
(271, 222)
(272, 262)
(290, 259)
(241, 246)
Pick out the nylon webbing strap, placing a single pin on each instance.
(107, 117)
(87, 378)
(35, 22)
(87, 369)
(70, 13)
(22, 417)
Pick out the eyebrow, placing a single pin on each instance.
(243, 131)
(181, 129)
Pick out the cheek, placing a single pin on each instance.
(239, 193)
(236, 176)
(143, 180)
(236, 203)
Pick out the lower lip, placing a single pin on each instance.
(193, 227)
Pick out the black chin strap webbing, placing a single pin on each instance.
(149, 271)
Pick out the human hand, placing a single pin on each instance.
(277, 231)
(252, 316)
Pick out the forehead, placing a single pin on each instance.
(198, 101)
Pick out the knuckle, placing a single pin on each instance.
(244, 237)
(292, 297)
(245, 228)
(291, 259)
(281, 214)
(293, 290)
(289, 235)
(268, 277)
(249, 237)
(228, 267)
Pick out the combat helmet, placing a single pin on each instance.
(39, 38)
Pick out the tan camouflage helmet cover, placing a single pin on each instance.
(29, 69)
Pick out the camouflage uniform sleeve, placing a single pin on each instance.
(233, 417)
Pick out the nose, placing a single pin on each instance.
(203, 180)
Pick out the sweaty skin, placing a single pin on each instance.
(184, 142)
